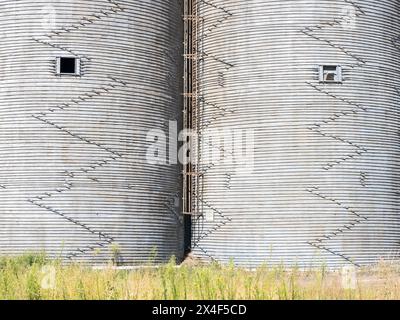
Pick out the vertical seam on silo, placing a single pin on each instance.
(317, 128)
(228, 181)
(363, 179)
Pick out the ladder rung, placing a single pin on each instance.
(191, 17)
(190, 94)
(193, 56)
(194, 174)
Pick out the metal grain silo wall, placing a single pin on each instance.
(325, 184)
(74, 180)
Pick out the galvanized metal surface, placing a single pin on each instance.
(325, 185)
(73, 172)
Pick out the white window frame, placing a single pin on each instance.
(77, 66)
(338, 73)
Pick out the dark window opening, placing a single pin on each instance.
(188, 233)
(68, 66)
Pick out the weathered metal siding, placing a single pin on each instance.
(326, 179)
(73, 171)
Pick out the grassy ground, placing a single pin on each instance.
(32, 277)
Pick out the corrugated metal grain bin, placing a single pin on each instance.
(81, 83)
(318, 81)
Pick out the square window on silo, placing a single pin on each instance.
(330, 74)
(68, 66)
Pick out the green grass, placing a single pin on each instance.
(33, 277)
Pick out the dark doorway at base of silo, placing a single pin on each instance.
(188, 233)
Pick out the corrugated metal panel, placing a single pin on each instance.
(326, 178)
(72, 149)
